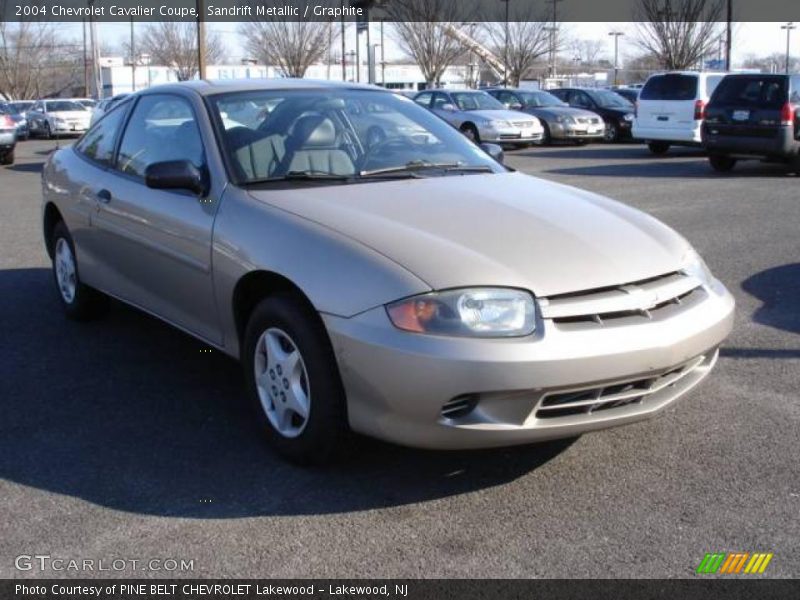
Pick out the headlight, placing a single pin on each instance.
(627, 117)
(694, 265)
(495, 124)
(475, 312)
(58, 121)
(564, 119)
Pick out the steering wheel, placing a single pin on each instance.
(396, 142)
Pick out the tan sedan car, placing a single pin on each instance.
(409, 287)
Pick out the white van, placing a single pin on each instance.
(671, 106)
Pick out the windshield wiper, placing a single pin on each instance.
(413, 166)
(301, 176)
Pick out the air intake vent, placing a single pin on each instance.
(460, 406)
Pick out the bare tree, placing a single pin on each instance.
(34, 60)
(589, 51)
(174, 44)
(774, 63)
(678, 32)
(292, 46)
(420, 27)
(528, 40)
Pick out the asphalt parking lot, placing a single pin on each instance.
(123, 439)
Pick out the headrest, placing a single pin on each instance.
(314, 131)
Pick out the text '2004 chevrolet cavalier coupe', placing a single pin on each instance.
(407, 286)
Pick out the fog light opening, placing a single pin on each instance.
(460, 406)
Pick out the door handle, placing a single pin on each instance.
(103, 196)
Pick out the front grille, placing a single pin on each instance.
(522, 124)
(614, 395)
(650, 299)
(510, 136)
(589, 120)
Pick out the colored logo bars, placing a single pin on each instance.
(734, 563)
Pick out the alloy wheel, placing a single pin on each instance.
(66, 274)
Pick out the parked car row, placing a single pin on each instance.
(519, 118)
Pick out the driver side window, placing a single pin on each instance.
(161, 128)
(581, 99)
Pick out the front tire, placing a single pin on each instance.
(611, 134)
(547, 138)
(79, 301)
(658, 148)
(8, 158)
(293, 381)
(721, 163)
(48, 133)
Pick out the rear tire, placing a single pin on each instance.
(658, 148)
(721, 163)
(611, 134)
(293, 381)
(48, 133)
(547, 139)
(79, 301)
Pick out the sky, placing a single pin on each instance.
(748, 38)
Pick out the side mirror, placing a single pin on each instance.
(449, 107)
(176, 175)
(495, 151)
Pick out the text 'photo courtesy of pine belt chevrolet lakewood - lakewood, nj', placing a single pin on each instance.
(376, 271)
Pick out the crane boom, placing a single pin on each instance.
(486, 55)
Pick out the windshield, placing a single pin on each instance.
(608, 99)
(87, 103)
(540, 99)
(64, 106)
(476, 101)
(338, 135)
(19, 107)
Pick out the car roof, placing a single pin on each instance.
(206, 87)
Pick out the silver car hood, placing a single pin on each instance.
(495, 229)
(564, 111)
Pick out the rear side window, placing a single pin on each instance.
(795, 95)
(756, 91)
(712, 81)
(670, 87)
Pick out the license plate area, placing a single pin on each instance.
(741, 115)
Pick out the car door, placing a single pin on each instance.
(36, 115)
(440, 99)
(157, 243)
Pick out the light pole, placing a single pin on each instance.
(728, 35)
(505, 45)
(553, 39)
(133, 59)
(201, 40)
(788, 27)
(383, 59)
(616, 35)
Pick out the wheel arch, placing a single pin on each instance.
(255, 286)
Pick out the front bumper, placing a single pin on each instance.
(397, 383)
(69, 128)
(512, 135)
(8, 139)
(568, 131)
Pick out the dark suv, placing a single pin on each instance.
(753, 115)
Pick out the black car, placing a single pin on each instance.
(630, 94)
(616, 111)
(753, 116)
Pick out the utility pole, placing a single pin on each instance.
(553, 37)
(96, 75)
(383, 59)
(505, 47)
(85, 63)
(616, 35)
(133, 60)
(201, 40)
(344, 47)
(788, 27)
(728, 35)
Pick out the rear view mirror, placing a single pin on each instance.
(515, 106)
(176, 175)
(495, 151)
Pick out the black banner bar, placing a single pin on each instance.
(353, 10)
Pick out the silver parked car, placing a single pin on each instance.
(414, 290)
(560, 120)
(482, 118)
(58, 117)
